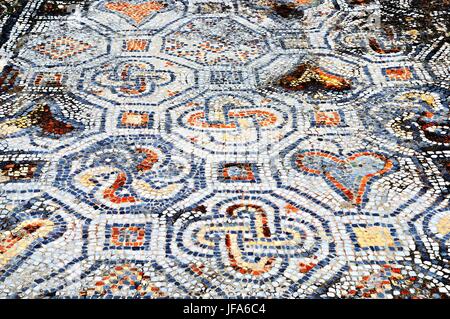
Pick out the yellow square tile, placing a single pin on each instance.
(443, 225)
(374, 236)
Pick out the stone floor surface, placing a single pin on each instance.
(224, 149)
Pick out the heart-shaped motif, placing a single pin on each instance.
(349, 176)
(136, 12)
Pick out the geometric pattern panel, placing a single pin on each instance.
(224, 149)
(125, 173)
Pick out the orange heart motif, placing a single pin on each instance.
(349, 176)
(136, 12)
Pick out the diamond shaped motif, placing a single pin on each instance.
(62, 48)
(136, 12)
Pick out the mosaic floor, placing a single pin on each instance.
(214, 149)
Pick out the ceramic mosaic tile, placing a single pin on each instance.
(224, 149)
